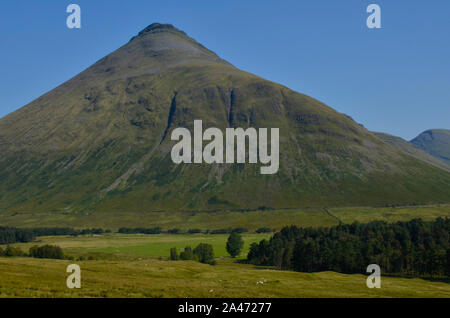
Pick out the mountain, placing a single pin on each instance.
(411, 150)
(436, 142)
(101, 141)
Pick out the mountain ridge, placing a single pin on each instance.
(412, 150)
(436, 142)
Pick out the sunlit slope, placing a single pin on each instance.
(101, 141)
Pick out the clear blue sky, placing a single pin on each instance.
(395, 79)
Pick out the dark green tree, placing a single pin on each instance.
(12, 251)
(205, 253)
(47, 251)
(235, 244)
(414, 248)
(448, 263)
(187, 254)
(173, 254)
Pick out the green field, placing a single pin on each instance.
(121, 246)
(252, 220)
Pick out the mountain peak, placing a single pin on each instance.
(154, 49)
(157, 28)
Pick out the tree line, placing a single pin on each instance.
(125, 230)
(413, 248)
(9, 235)
(45, 251)
(158, 230)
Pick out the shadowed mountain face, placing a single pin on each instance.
(101, 141)
(412, 150)
(436, 142)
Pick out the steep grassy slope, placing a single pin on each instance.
(436, 142)
(101, 141)
(412, 150)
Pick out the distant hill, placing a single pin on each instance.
(436, 142)
(101, 141)
(410, 149)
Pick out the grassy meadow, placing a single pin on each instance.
(26, 277)
(137, 265)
